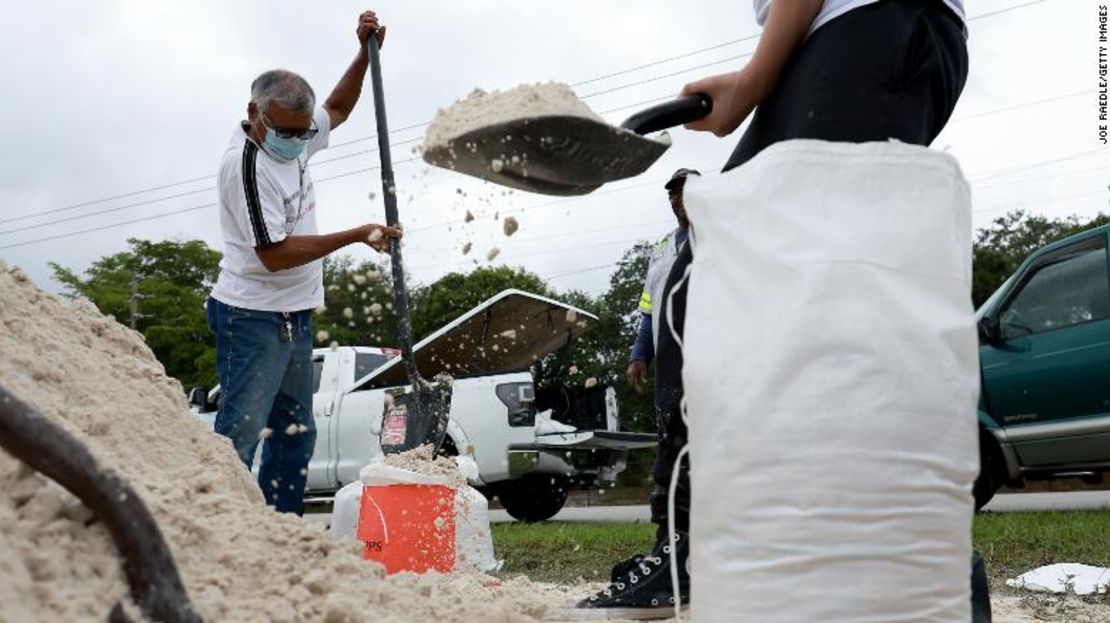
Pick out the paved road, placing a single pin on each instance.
(1003, 503)
(603, 514)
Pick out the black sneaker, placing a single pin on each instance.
(645, 592)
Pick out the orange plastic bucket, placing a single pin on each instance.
(408, 527)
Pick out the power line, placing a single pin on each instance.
(212, 205)
(1041, 200)
(1011, 170)
(1103, 168)
(372, 136)
(567, 234)
(415, 126)
(1005, 10)
(665, 60)
(210, 188)
(661, 77)
(413, 140)
(179, 195)
(109, 226)
(420, 125)
(609, 243)
(1020, 106)
(987, 175)
(583, 270)
(106, 199)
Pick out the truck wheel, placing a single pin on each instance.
(991, 468)
(535, 497)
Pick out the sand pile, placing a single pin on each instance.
(239, 560)
(483, 108)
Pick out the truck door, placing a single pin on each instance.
(1048, 379)
(325, 381)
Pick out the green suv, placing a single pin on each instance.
(1045, 355)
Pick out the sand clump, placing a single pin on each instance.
(239, 560)
(419, 460)
(484, 108)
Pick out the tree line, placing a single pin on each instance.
(160, 288)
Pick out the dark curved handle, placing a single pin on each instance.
(148, 563)
(669, 114)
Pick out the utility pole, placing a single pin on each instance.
(135, 296)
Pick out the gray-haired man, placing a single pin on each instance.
(271, 276)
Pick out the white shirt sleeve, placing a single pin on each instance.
(323, 124)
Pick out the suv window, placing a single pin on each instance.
(365, 363)
(1071, 288)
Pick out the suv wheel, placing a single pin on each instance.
(535, 497)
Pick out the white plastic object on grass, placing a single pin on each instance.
(832, 480)
(1064, 577)
(344, 514)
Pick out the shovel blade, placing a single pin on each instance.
(551, 155)
(415, 418)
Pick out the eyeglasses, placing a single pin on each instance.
(301, 133)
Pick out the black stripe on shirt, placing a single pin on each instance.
(250, 187)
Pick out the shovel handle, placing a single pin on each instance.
(669, 114)
(389, 196)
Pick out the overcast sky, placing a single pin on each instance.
(115, 97)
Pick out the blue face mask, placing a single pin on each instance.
(284, 148)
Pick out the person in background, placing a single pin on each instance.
(659, 266)
(271, 274)
(834, 70)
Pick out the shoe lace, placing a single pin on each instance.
(655, 560)
(608, 590)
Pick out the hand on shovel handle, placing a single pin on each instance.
(378, 236)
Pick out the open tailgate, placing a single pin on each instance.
(596, 439)
(506, 333)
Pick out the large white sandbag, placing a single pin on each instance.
(831, 375)
(344, 511)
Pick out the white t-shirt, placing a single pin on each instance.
(262, 200)
(835, 8)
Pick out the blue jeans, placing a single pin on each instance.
(266, 393)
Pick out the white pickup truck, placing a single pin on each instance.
(529, 462)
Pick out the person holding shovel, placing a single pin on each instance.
(835, 70)
(271, 275)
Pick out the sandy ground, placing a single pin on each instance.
(1009, 606)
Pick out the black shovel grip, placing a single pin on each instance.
(669, 114)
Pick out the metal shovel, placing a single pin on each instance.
(565, 154)
(418, 416)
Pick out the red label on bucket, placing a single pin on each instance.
(394, 426)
